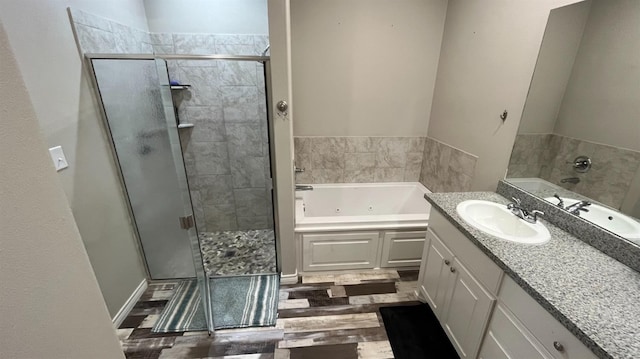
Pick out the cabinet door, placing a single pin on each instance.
(542, 324)
(356, 250)
(436, 274)
(402, 249)
(508, 338)
(467, 311)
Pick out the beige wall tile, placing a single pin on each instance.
(362, 159)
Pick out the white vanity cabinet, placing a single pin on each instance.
(466, 311)
(460, 301)
(435, 273)
(529, 320)
(484, 313)
(507, 338)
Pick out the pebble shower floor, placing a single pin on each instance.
(238, 252)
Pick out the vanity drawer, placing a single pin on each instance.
(542, 324)
(483, 268)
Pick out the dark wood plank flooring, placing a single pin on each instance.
(325, 316)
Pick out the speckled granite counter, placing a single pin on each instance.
(594, 296)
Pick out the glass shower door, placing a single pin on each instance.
(143, 142)
(176, 150)
(139, 113)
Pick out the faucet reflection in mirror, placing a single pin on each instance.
(583, 101)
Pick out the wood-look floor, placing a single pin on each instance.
(325, 316)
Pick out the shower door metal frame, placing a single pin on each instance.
(267, 70)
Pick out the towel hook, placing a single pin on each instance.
(504, 115)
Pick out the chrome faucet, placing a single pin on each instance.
(574, 180)
(577, 207)
(520, 212)
(300, 187)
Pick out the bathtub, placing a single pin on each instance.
(361, 225)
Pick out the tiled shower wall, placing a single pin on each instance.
(438, 166)
(547, 155)
(96, 34)
(226, 152)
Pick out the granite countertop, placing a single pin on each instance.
(594, 296)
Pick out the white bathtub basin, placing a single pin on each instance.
(606, 218)
(349, 206)
(496, 220)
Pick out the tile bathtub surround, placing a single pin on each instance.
(324, 316)
(358, 159)
(603, 240)
(445, 168)
(546, 156)
(530, 155)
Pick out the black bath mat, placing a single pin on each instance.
(414, 332)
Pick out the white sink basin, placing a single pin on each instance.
(496, 220)
(606, 218)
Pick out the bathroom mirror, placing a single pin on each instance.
(584, 100)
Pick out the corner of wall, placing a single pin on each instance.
(46, 275)
(446, 168)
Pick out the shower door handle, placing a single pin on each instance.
(187, 222)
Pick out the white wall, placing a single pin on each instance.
(488, 55)
(282, 135)
(364, 67)
(558, 51)
(40, 34)
(51, 305)
(208, 16)
(602, 101)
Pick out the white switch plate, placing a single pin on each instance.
(58, 158)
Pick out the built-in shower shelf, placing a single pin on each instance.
(180, 87)
(185, 125)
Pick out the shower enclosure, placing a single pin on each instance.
(190, 135)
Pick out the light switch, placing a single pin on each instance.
(58, 158)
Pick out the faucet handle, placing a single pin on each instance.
(515, 205)
(535, 213)
(560, 201)
(532, 217)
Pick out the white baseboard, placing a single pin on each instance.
(289, 278)
(129, 304)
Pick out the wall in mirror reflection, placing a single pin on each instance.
(584, 99)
